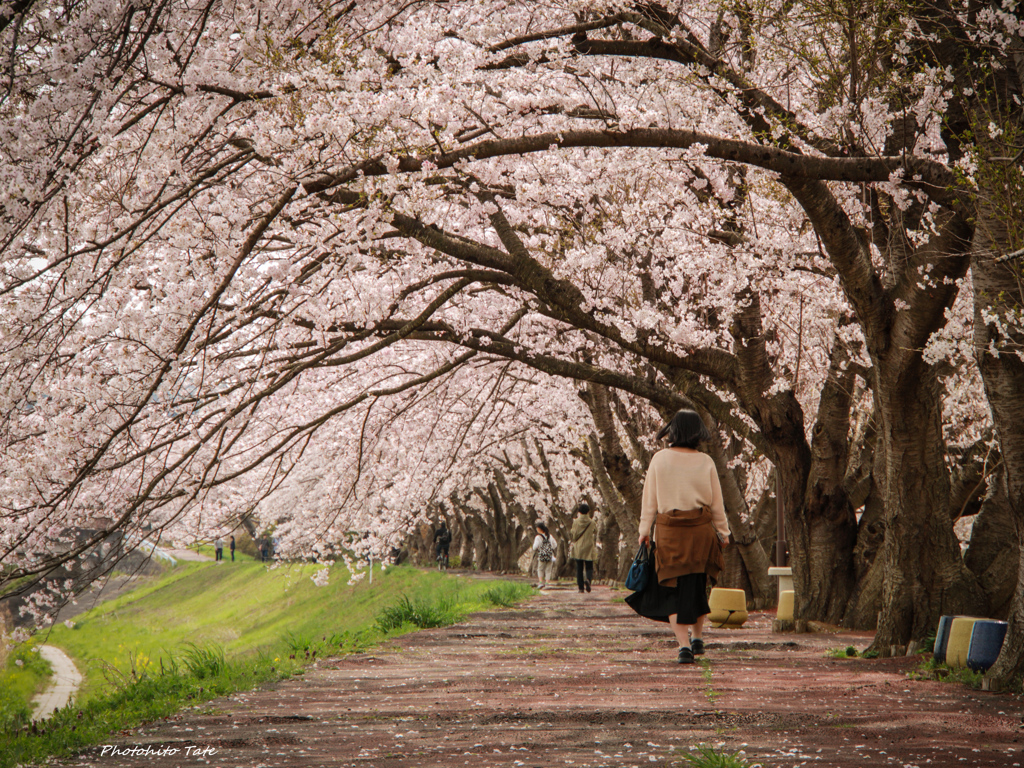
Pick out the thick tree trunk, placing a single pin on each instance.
(462, 542)
(781, 421)
(502, 502)
(608, 517)
(628, 483)
(626, 554)
(473, 541)
(820, 523)
(924, 574)
(521, 525)
(420, 545)
(746, 562)
(999, 348)
(607, 565)
(827, 532)
(766, 518)
(994, 549)
(866, 495)
(477, 553)
(866, 601)
(735, 574)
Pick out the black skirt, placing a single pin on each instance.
(688, 599)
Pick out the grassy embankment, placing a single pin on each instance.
(24, 674)
(206, 629)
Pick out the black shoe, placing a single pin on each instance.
(587, 586)
(581, 590)
(685, 656)
(697, 645)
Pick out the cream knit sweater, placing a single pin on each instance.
(682, 479)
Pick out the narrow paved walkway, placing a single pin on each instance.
(578, 680)
(63, 685)
(186, 554)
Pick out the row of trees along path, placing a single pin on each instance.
(337, 268)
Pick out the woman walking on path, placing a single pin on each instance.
(544, 551)
(584, 546)
(682, 500)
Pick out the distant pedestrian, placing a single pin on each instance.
(442, 541)
(232, 545)
(683, 507)
(218, 547)
(265, 550)
(544, 550)
(584, 546)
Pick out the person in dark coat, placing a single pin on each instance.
(442, 540)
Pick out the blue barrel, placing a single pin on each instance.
(986, 642)
(941, 638)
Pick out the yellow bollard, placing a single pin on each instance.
(728, 607)
(959, 641)
(785, 612)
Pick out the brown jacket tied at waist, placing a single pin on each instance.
(686, 543)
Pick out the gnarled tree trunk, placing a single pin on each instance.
(994, 550)
(746, 562)
(828, 526)
(616, 462)
(999, 348)
(924, 573)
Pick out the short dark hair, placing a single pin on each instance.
(543, 528)
(685, 430)
(583, 508)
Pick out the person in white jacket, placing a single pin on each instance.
(683, 502)
(544, 549)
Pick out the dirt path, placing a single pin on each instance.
(186, 554)
(63, 685)
(578, 680)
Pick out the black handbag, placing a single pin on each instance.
(640, 570)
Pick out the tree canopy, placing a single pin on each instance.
(338, 264)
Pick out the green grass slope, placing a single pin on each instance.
(25, 675)
(242, 607)
(206, 629)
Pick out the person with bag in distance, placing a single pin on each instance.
(683, 507)
(584, 546)
(544, 551)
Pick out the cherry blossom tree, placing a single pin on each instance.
(984, 50)
(917, 228)
(242, 243)
(898, 249)
(489, 449)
